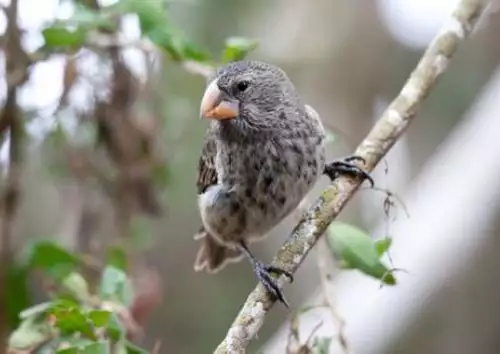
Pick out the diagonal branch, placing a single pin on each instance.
(393, 123)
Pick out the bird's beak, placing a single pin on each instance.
(215, 105)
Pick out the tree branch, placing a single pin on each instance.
(16, 70)
(393, 123)
(103, 41)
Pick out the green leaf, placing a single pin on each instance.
(321, 345)
(52, 258)
(357, 250)
(155, 26)
(151, 14)
(35, 310)
(90, 19)
(31, 332)
(116, 286)
(134, 349)
(73, 31)
(100, 318)
(117, 257)
(237, 48)
(383, 245)
(77, 286)
(116, 331)
(58, 36)
(175, 44)
(96, 348)
(192, 51)
(64, 304)
(70, 319)
(70, 350)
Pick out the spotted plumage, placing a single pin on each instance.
(263, 152)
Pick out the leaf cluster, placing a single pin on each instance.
(74, 320)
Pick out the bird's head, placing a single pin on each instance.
(250, 95)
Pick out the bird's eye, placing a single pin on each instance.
(242, 86)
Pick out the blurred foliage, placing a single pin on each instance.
(74, 320)
(237, 48)
(357, 250)
(154, 24)
(78, 317)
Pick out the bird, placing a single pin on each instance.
(263, 151)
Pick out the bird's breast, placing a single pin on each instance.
(270, 177)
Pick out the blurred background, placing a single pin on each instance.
(113, 139)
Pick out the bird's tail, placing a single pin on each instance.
(213, 256)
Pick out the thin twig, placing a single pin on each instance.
(393, 123)
(197, 68)
(326, 268)
(105, 41)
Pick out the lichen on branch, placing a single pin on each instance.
(389, 128)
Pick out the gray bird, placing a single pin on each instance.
(263, 152)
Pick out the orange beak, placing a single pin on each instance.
(214, 106)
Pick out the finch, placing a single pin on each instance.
(263, 152)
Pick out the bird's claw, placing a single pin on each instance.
(263, 273)
(345, 166)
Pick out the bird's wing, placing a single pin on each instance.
(314, 116)
(207, 174)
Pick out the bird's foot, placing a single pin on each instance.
(346, 166)
(263, 273)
